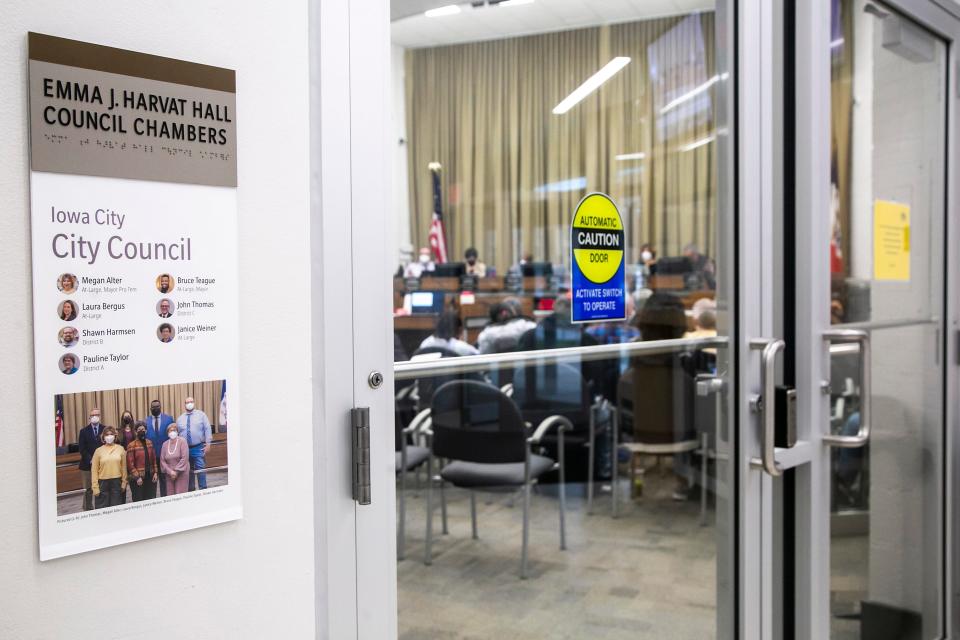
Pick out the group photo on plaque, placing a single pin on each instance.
(130, 445)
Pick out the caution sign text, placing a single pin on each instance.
(598, 274)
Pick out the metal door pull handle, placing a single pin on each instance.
(863, 434)
(764, 403)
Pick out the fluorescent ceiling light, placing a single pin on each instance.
(639, 155)
(694, 92)
(573, 184)
(513, 3)
(447, 10)
(698, 143)
(591, 85)
(632, 171)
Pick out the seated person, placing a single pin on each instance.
(449, 326)
(648, 255)
(556, 331)
(617, 332)
(701, 266)
(517, 268)
(704, 318)
(474, 266)
(423, 264)
(505, 328)
(663, 318)
(705, 322)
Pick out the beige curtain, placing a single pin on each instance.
(513, 172)
(841, 116)
(112, 403)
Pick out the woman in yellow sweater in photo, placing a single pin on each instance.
(108, 471)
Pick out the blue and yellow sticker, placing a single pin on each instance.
(598, 245)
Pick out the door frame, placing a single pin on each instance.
(756, 298)
(354, 567)
(812, 299)
(355, 549)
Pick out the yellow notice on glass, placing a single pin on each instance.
(891, 241)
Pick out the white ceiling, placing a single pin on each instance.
(492, 22)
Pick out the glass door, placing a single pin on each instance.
(875, 100)
(554, 478)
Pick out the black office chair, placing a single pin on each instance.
(409, 457)
(413, 400)
(426, 385)
(559, 389)
(480, 430)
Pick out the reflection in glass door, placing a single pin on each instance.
(887, 268)
(560, 480)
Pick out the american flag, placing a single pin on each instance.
(58, 423)
(437, 236)
(223, 407)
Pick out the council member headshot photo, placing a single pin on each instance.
(164, 283)
(68, 364)
(67, 283)
(165, 332)
(68, 337)
(67, 310)
(165, 308)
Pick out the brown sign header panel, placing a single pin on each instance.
(102, 111)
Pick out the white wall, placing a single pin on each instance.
(248, 579)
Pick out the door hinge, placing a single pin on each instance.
(360, 430)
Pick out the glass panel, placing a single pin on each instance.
(887, 262)
(506, 116)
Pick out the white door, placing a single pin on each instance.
(874, 308)
(355, 572)
(657, 526)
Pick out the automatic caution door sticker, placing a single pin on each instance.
(598, 246)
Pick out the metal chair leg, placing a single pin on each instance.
(402, 525)
(615, 418)
(473, 514)
(443, 507)
(427, 554)
(563, 499)
(526, 530)
(704, 451)
(590, 461)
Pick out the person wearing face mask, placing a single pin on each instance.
(127, 434)
(647, 254)
(108, 471)
(88, 440)
(157, 423)
(421, 266)
(142, 465)
(175, 462)
(474, 266)
(194, 427)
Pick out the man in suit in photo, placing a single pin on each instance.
(89, 440)
(165, 308)
(157, 423)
